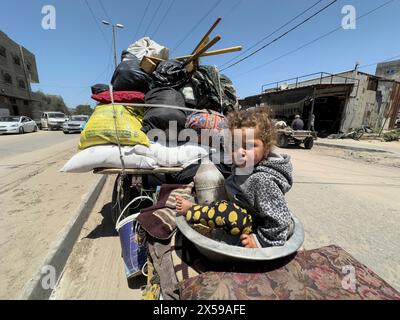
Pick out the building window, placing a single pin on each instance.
(21, 84)
(28, 66)
(26, 102)
(3, 52)
(7, 78)
(17, 60)
(372, 85)
(13, 100)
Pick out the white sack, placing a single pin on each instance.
(147, 47)
(180, 156)
(107, 156)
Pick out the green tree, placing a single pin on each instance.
(83, 109)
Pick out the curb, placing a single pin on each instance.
(61, 248)
(348, 147)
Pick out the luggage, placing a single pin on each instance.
(171, 73)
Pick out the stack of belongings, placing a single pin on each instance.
(152, 94)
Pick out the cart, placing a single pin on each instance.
(297, 137)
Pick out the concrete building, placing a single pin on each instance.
(17, 71)
(389, 70)
(340, 102)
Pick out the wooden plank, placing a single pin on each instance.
(137, 171)
(204, 49)
(213, 53)
(206, 35)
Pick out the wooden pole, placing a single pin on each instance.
(206, 35)
(213, 53)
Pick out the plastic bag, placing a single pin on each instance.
(171, 73)
(147, 47)
(100, 128)
(129, 77)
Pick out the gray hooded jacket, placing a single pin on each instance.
(264, 192)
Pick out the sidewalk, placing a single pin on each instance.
(362, 145)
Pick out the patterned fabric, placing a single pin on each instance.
(206, 119)
(322, 274)
(160, 223)
(223, 214)
(119, 96)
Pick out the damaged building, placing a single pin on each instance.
(340, 102)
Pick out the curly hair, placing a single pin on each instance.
(258, 118)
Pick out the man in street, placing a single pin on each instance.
(297, 123)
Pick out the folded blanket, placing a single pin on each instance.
(159, 220)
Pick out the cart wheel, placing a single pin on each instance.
(309, 143)
(282, 141)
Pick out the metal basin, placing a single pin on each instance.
(223, 251)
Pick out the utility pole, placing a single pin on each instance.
(118, 25)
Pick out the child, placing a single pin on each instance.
(256, 208)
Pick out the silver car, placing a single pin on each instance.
(17, 124)
(75, 124)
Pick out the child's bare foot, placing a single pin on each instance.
(248, 241)
(182, 205)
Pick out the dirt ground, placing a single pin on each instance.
(36, 202)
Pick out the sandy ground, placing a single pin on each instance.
(350, 203)
(36, 202)
(95, 268)
(347, 202)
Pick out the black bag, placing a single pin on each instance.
(170, 73)
(99, 88)
(129, 77)
(158, 118)
(214, 91)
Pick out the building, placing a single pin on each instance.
(17, 71)
(340, 102)
(389, 70)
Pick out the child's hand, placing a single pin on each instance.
(248, 241)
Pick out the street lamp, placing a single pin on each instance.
(118, 25)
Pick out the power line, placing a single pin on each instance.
(374, 64)
(317, 39)
(163, 18)
(105, 11)
(152, 19)
(197, 24)
(96, 22)
(281, 36)
(272, 33)
(141, 20)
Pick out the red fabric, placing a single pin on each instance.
(120, 96)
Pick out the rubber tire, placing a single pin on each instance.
(36, 129)
(283, 141)
(21, 130)
(309, 143)
(65, 132)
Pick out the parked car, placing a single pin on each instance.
(17, 124)
(397, 123)
(52, 120)
(75, 124)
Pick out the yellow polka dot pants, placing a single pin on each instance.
(226, 215)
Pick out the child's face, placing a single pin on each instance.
(248, 148)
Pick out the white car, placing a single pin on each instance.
(17, 124)
(75, 124)
(52, 120)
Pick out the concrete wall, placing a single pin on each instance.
(389, 70)
(13, 94)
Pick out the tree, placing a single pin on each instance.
(83, 109)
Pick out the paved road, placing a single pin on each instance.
(16, 144)
(36, 202)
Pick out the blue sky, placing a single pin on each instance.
(77, 54)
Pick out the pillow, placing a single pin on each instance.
(120, 96)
